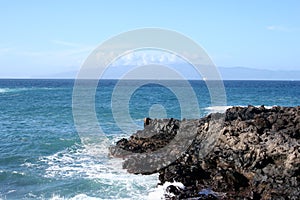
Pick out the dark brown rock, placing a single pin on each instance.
(254, 153)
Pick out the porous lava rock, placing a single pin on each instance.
(245, 153)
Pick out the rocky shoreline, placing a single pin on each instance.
(245, 153)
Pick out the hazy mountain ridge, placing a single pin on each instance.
(244, 73)
(227, 73)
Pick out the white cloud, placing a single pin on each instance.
(65, 43)
(35, 62)
(52, 54)
(147, 57)
(5, 50)
(279, 28)
(70, 49)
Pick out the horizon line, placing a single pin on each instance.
(68, 78)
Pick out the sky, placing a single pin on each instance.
(39, 38)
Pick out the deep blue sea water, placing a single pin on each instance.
(43, 157)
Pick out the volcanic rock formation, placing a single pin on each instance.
(245, 153)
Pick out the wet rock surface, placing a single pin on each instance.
(246, 153)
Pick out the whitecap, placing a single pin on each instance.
(222, 109)
(77, 197)
(9, 90)
(11, 191)
(3, 90)
(19, 173)
(215, 109)
(91, 164)
(161, 190)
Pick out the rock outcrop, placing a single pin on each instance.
(245, 153)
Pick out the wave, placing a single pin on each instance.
(222, 109)
(9, 174)
(4, 90)
(88, 163)
(156, 193)
(161, 190)
(214, 109)
(77, 197)
(9, 90)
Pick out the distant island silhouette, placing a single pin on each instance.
(227, 73)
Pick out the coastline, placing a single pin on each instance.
(254, 156)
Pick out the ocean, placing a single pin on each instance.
(42, 155)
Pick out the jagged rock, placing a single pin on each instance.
(156, 134)
(247, 153)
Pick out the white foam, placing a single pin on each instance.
(20, 173)
(9, 90)
(222, 109)
(77, 197)
(214, 109)
(11, 191)
(83, 196)
(3, 90)
(160, 191)
(268, 107)
(80, 162)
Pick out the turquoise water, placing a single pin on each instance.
(42, 156)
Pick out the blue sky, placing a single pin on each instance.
(48, 37)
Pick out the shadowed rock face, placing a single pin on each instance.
(255, 154)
